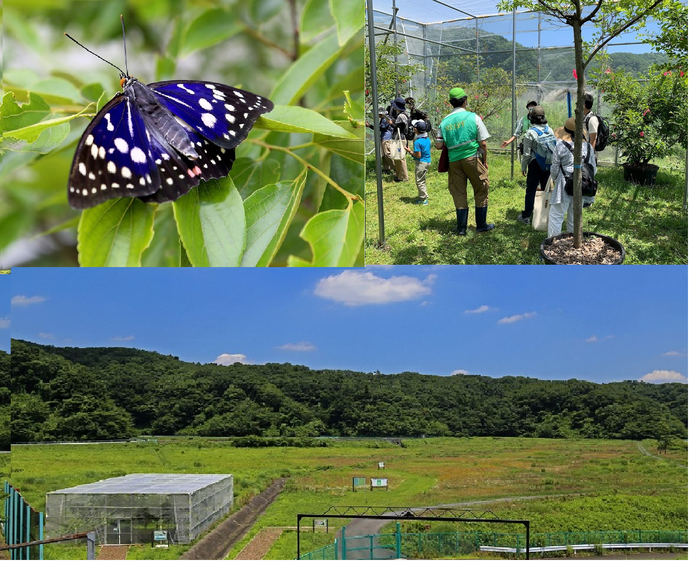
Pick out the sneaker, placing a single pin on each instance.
(525, 220)
(421, 202)
(397, 180)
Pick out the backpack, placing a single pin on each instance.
(589, 184)
(409, 129)
(546, 144)
(602, 131)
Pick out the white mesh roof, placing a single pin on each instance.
(147, 484)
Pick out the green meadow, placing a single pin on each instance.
(579, 484)
(650, 222)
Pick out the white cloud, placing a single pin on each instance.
(674, 354)
(460, 372)
(230, 358)
(301, 346)
(358, 288)
(516, 318)
(482, 308)
(5, 322)
(46, 336)
(595, 339)
(122, 338)
(23, 300)
(664, 376)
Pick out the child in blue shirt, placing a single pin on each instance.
(422, 160)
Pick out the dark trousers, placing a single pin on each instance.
(535, 177)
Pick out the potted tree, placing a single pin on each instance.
(649, 118)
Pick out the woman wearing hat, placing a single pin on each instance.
(386, 131)
(562, 165)
(399, 123)
(521, 126)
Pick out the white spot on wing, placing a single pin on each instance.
(208, 119)
(92, 176)
(88, 140)
(111, 167)
(210, 86)
(205, 104)
(185, 89)
(101, 153)
(138, 155)
(110, 125)
(82, 168)
(126, 172)
(121, 145)
(94, 150)
(230, 118)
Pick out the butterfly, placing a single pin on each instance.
(157, 141)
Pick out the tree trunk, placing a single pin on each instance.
(579, 122)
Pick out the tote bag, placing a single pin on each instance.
(540, 215)
(398, 148)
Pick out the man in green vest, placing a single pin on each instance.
(465, 134)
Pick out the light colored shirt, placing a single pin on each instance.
(562, 157)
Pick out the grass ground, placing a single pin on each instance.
(651, 223)
(609, 484)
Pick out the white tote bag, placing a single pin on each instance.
(398, 148)
(540, 215)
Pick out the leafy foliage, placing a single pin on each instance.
(302, 162)
(74, 393)
(649, 114)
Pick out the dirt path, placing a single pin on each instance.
(113, 552)
(646, 452)
(259, 546)
(217, 544)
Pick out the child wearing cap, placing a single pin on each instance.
(422, 160)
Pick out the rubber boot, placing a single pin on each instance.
(480, 216)
(462, 221)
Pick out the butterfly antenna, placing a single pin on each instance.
(124, 42)
(94, 54)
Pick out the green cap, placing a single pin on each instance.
(457, 93)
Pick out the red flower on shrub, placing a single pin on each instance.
(646, 111)
(641, 134)
(575, 74)
(607, 71)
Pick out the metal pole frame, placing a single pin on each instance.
(514, 103)
(409, 516)
(377, 128)
(395, 42)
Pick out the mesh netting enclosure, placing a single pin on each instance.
(128, 509)
(544, 62)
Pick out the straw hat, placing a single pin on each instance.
(564, 134)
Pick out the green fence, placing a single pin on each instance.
(22, 524)
(434, 545)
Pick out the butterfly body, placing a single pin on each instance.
(157, 141)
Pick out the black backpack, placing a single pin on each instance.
(589, 184)
(602, 131)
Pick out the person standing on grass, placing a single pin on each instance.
(538, 140)
(521, 127)
(464, 134)
(562, 166)
(422, 160)
(386, 131)
(399, 121)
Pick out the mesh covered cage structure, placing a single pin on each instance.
(535, 51)
(128, 509)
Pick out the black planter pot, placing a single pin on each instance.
(610, 241)
(644, 175)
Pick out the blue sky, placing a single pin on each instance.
(600, 324)
(428, 11)
(5, 312)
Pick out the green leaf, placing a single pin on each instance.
(210, 28)
(31, 133)
(353, 149)
(269, 212)
(13, 225)
(93, 91)
(59, 89)
(262, 11)
(115, 233)
(164, 250)
(15, 116)
(249, 174)
(47, 141)
(295, 119)
(316, 18)
(335, 237)
(349, 18)
(211, 223)
(306, 70)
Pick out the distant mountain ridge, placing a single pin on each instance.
(106, 393)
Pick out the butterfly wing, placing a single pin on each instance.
(113, 157)
(222, 114)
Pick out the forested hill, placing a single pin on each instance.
(107, 393)
(4, 401)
